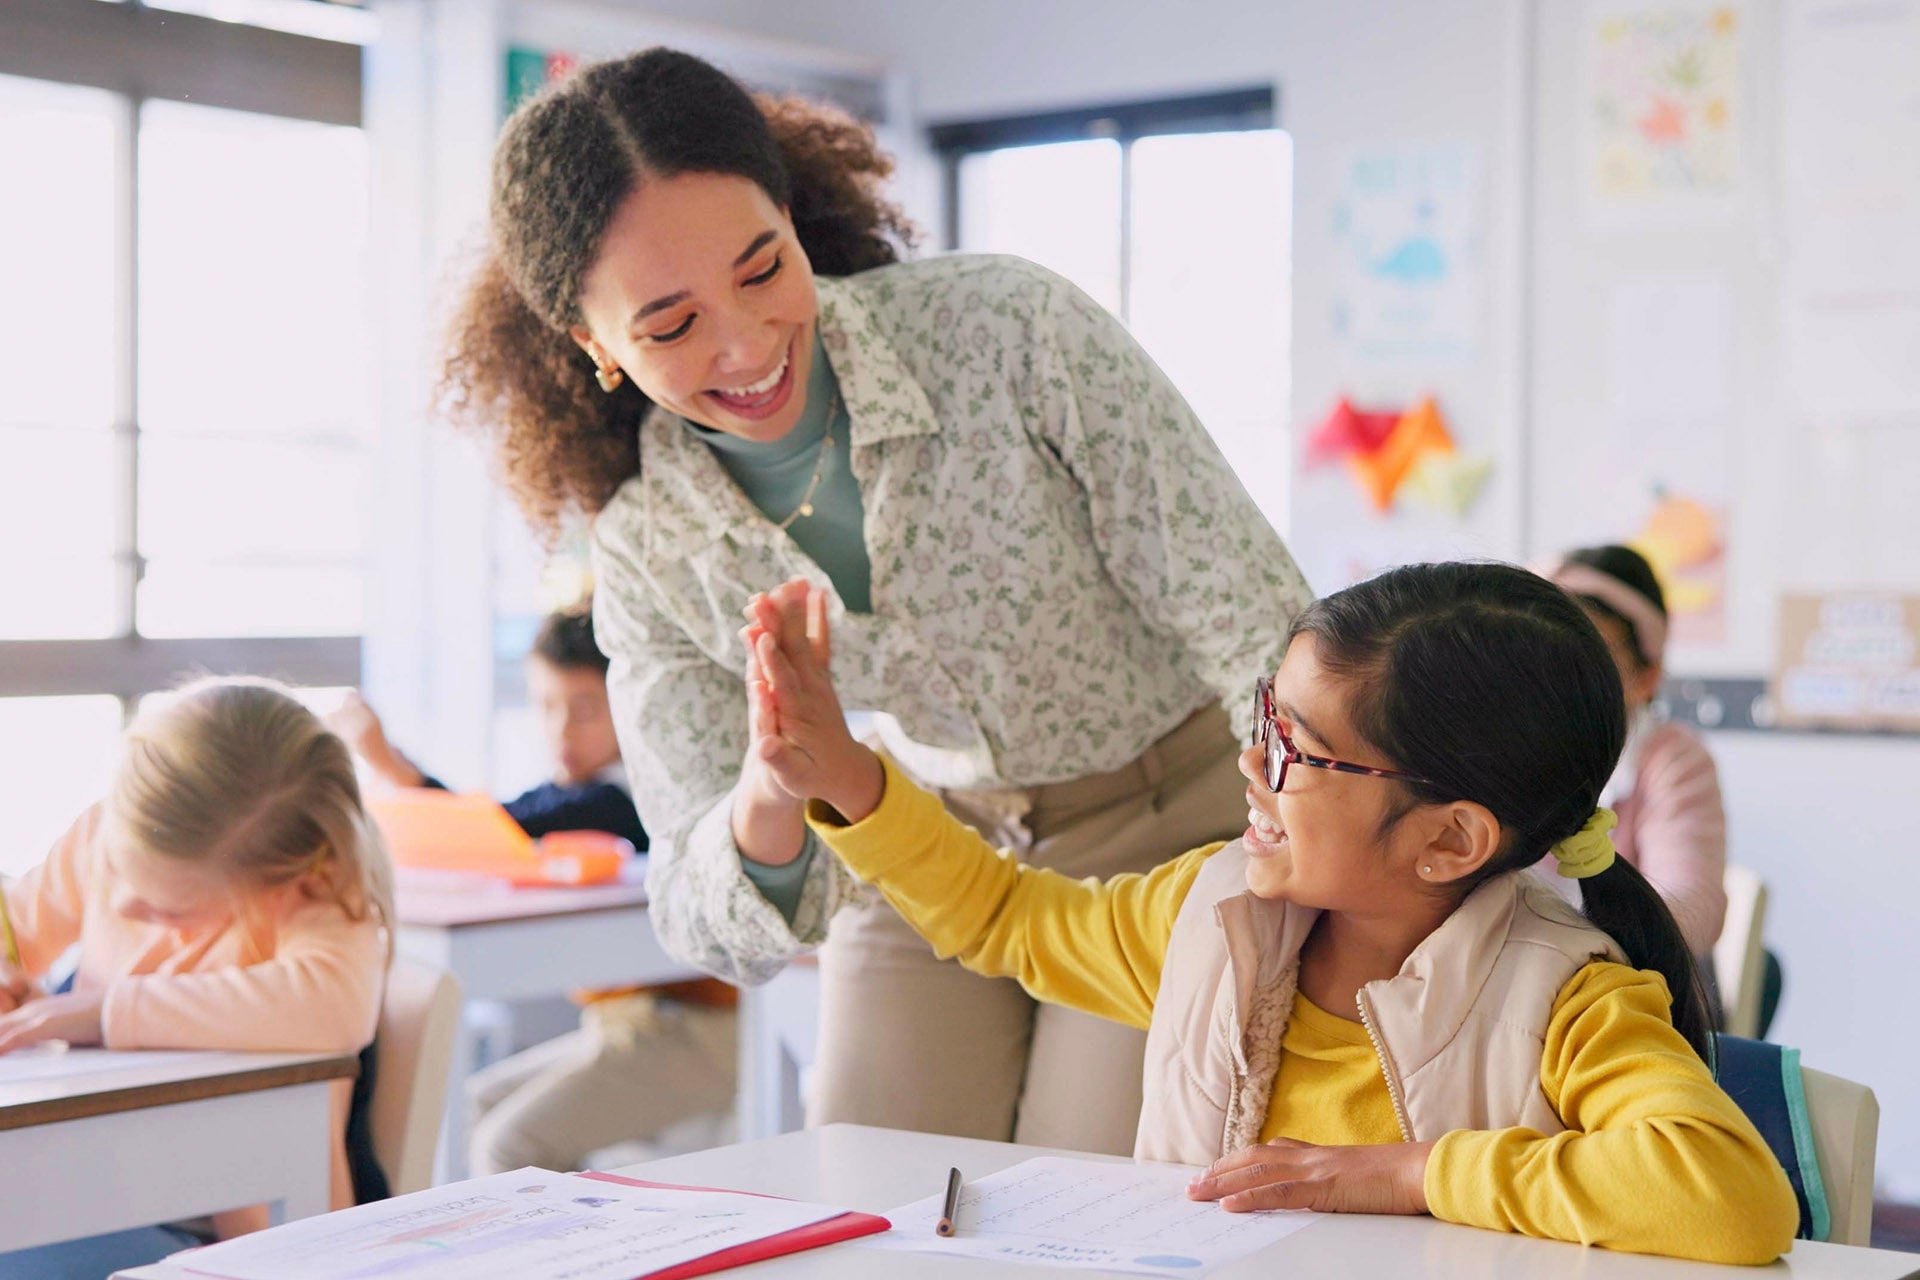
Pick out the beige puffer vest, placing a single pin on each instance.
(1459, 1030)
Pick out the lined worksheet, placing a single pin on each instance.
(527, 1225)
(1091, 1215)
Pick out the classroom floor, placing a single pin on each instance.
(1896, 1226)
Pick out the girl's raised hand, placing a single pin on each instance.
(800, 734)
(1284, 1174)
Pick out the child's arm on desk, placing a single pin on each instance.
(1091, 945)
(320, 993)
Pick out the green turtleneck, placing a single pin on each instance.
(774, 476)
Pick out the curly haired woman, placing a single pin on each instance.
(693, 328)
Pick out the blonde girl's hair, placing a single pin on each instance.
(235, 774)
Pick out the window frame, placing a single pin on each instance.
(139, 55)
(1226, 111)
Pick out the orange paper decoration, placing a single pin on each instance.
(1420, 430)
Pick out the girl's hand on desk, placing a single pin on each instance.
(73, 1017)
(1284, 1174)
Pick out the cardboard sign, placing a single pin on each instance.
(1849, 660)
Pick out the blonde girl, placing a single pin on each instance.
(228, 893)
(1364, 1003)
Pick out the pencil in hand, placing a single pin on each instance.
(950, 1216)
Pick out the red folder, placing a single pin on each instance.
(848, 1226)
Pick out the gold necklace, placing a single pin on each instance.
(819, 467)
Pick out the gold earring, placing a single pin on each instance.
(608, 376)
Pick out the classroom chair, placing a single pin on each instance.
(418, 1022)
(1846, 1132)
(1739, 960)
(1823, 1129)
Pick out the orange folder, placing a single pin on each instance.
(449, 831)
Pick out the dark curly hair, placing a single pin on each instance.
(564, 162)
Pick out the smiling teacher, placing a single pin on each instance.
(1041, 574)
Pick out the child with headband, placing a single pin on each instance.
(1666, 791)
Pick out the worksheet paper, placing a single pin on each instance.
(1091, 1215)
(526, 1225)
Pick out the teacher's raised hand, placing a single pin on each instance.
(799, 730)
(768, 821)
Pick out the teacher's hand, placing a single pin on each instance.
(1284, 1174)
(800, 733)
(769, 822)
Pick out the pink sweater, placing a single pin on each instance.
(1673, 827)
(298, 976)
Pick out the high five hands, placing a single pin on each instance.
(799, 732)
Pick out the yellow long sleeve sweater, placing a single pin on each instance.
(1656, 1158)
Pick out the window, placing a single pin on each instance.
(187, 407)
(1176, 216)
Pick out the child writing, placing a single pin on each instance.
(228, 893)
(1666, 790)
(1428, 735)
(643, 1058)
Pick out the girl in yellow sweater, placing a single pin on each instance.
(1515, 1064)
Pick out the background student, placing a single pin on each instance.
(229, 892)
(643, 1058)
(1666, 791)
(1429, 735)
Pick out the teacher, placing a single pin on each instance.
(1045, 584)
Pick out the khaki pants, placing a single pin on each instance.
(909, 1041)
(636, 1066)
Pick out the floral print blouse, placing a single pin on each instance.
(1064, 569)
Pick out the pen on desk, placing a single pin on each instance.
(950, 1217)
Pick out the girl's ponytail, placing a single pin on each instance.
(1620, 902)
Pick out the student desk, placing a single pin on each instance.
(91, 1151)
(880, 1169)
(504, 943)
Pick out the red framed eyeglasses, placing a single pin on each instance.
(1278, 751)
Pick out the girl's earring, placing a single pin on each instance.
(608, 376)
(1426, 871)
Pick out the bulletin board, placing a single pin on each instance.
(1725, 338)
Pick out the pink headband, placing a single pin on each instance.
(1649, 625)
